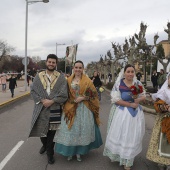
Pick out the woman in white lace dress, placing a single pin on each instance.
(126, 124)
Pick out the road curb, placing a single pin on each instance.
(148, 110)
(14, 99)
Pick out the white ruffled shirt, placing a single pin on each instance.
(163, 93)
(116, 95)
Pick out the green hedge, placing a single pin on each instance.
(109, 85)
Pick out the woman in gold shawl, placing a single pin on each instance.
(79, 131)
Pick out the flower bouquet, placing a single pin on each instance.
(101, 89)
(136, 89)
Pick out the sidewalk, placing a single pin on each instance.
(19, 92)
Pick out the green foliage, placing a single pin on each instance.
(160, 51)
(155, 61)
(109, 85)
(101, 60)
(41, 65)
(118, 70)
(148, 69)
(61, 66)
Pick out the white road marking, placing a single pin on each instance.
(11, 153)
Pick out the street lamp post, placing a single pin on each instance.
(26, 33)
(57, 45)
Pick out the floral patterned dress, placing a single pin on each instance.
(83, 136)
(152, 153)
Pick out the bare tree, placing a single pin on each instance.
(5, 49)
(160, 55)
(168, 30)
(118, 55)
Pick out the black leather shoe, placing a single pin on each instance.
(42, 150)
(50, 159)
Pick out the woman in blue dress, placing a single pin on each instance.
(126, 124)
(79, 131)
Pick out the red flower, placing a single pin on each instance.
(136, 89)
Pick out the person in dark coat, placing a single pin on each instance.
(28, 78)
(97, 82)
(49, 92)
(139, 76)
(33, 73)
(154, 79)
(110, 77)
(12, 84)
(161, 78)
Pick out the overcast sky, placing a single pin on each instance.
(93, 24)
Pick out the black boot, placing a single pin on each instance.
(50, 159)
(42, 150)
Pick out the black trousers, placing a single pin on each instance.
(48, 142)
(12, 91)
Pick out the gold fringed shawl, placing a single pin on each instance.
(165, 124)
(44, 79)
(86, 89)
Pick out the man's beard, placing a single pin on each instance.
(50, 69)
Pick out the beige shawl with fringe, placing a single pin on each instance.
(86, 89)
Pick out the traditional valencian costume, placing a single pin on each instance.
(49, 92)
(79, 131)
(45, 119)
(126, 125)
(159, 147)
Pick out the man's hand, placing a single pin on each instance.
(47, 102)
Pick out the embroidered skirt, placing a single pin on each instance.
(153, 152)
(81, 138)
(124, 135)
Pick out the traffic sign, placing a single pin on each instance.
(23, 61)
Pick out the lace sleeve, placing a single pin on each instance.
(115, 93)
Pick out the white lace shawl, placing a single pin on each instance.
(115, 93)
(164, 92)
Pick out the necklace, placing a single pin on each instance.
(76, 80)
(128, 84)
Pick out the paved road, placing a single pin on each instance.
(14, 128)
